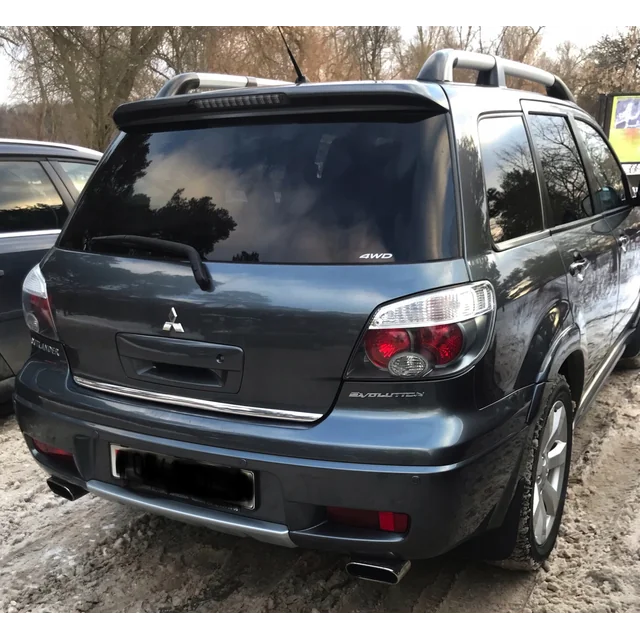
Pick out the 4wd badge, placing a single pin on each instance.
(376, 256)
(172, 324)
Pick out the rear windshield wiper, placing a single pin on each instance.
(200, 272)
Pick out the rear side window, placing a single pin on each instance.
(28, 199)
(513, 198)
(78, 173)
(562, 169)
(309, 191)
(609, 183)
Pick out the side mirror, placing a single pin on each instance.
(585, 205)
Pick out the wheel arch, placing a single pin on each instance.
(573, 369)
(565, 357)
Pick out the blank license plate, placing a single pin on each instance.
(214, 484)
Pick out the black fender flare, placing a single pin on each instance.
(566, 342)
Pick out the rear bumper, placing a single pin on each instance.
(447, 503)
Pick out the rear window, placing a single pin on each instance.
(320, 191)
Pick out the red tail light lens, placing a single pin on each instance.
(36, 306)
(396, 522)
(436, 334)
(443, 341)
(379, 520)
(50, 450)
(381, 345)
(41, 313)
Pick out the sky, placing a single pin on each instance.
(553, 36)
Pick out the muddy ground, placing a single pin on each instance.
(93, 555)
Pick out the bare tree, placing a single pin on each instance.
(94, 68)
(69, 80)
(412, 55)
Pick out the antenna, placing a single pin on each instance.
(301, 78)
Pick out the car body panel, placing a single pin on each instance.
(20, 251)
(296, 324)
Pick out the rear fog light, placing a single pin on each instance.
(378, 520)
(50, 450)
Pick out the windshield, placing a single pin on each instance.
(308, 191)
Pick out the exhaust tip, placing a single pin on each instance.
(375, 571)
(65, 489)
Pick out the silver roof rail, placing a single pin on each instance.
(492, 71)
(185, 82)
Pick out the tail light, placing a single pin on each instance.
(36, 305)
(50, 450)
(435, 334)
(380, 520)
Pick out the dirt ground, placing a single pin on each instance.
(93, 555)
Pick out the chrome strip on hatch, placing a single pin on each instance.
(26, 234)
(230, 523)
(196, 403)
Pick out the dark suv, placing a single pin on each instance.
(39, 183)
(362, 317)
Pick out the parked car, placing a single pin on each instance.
(361, 317)
(39, 182)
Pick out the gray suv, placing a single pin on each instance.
(39, 183)
(361, 317)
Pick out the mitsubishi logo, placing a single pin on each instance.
(172, 324)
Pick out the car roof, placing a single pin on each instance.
(466, 98)
(10, 146)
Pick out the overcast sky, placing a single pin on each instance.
(553, 36)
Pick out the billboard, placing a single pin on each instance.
(624, 128)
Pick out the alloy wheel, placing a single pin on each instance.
(550, 472)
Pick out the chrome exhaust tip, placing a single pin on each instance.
(384, 571)
(65, 489)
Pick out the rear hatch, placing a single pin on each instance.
(305, 225)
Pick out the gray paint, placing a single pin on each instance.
(451, 458)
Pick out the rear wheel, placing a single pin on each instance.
(6, 409)
(529, 532)
(631, 356)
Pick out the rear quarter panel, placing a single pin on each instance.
(529, 278)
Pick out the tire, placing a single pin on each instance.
(522, 543)
(628, 363)
(631, 357)
(6, 409)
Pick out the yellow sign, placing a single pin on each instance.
(624, 133)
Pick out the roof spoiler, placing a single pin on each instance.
(173, 104)
(492, 71)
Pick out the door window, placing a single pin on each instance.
(78, 173)
(28, 199)
(562, 169)
(609, 183)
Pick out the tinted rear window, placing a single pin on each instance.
(281, 192)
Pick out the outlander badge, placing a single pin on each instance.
(172, 324)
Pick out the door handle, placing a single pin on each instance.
(1, 273)
(623, 241)
(578, 266)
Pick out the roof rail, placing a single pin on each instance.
(185, 82)
(492, 71)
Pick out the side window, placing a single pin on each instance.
(28, 199)
(609, 181)
(510, 178)
(78, 173)
(562, 169)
